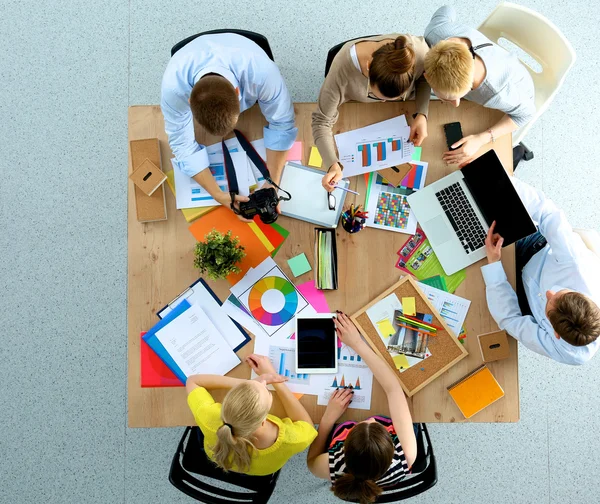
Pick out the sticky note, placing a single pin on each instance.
(386, 328)
(315, 158)
(401, 361)
(408, 306)
(295, 153)
(416, 155)
(299, 265)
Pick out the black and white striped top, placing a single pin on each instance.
(397, 470)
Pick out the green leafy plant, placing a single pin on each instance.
(219, 255)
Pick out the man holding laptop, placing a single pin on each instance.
(556, 309)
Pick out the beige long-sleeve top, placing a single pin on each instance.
(345, 82)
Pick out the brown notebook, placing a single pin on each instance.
(395, 174)
(494, 346)
(154, 207)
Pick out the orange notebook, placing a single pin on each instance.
(223, 219)
(476, 391)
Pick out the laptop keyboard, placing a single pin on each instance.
(461, 215)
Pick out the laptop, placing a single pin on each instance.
(457, 211)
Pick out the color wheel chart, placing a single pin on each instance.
(273, 301)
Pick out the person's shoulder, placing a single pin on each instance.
(295, 432)
(198, 397)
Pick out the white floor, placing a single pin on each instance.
(69, 70)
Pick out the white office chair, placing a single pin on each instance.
(541, 40)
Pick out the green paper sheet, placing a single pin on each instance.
(436, 281)
(299, 265)
(283, 232)
(416, 156)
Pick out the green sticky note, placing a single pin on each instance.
(401, 362)
(299, 265)
(416, 156)
(408, 306)
(386, 328)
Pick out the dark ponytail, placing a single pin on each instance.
(392, 67)
(368, 454)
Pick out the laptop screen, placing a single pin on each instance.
(497, 198)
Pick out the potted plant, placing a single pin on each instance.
(219, 255)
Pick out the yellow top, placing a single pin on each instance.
(293, 437)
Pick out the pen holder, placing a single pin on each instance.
(352, 224)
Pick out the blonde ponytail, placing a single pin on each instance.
(242, 413)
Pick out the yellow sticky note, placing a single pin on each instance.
(401, 361)
(408, 306)
(386, 328)
(315, 158)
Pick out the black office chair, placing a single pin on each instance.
(423, 475)
(191, 461)
(336, 49)
(257, 38)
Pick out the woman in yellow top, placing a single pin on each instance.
(240, 435)
(380, 68)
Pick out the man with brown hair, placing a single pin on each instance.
(555, 311)
(212, 80)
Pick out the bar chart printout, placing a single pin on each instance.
(283, 359)
(345, 353)
(380, 150)
(365, 151)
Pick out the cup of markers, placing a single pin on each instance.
(353, 220)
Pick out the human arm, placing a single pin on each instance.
(397, 403)
(210, 381)
(190, 157)
(293, 409)
(318, 458)
(443, 16)
(206, 179)
(467, 147)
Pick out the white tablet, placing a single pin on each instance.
(316, 344)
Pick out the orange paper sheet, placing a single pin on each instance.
(223, 219)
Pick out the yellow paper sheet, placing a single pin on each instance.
(261, 236)
(386, 328)
(315, 158)
(401, 361)
(408, 306)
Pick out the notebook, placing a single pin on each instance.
(309, 199)
(148, 208)
(476, 391)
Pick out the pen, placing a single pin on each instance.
(347, 190)
(418, 324)
(424, 323)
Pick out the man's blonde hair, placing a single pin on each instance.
(449, 68)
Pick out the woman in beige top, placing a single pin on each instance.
(380, 68)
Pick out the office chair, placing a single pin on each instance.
(541, 40)
(257, 38)
(423, 475)
(191, 461)
(336, 49)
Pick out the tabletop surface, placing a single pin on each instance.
(160, 266)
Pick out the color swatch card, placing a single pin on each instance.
(271, 298)
(380, 145)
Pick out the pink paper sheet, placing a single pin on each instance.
(316, 298)
(295, 153)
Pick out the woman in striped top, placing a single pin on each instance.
(364, 459)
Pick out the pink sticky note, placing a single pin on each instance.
(316, 298)
(295, 153)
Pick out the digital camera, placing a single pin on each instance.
(262, 203)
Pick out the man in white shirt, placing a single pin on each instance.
(212, 79)
(557, 315)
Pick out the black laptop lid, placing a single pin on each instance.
(497, 199)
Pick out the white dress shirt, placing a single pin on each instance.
(248, 68)
(565, 263)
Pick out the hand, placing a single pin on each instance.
(260, 364)
(346, 330)
(469, 146)
(418, 130)
(332, 177)
(493, 245)
(225, 200)
(337, 405)
(265, 186)
(270, 378)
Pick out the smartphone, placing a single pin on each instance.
(453, 133)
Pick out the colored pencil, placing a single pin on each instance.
(414, 319)
(418, 329)
(417, 323)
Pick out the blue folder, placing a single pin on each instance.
(155, 344)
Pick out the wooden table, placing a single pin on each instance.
(160, 266)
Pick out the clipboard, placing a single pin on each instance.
(309, 199)
(219, 322)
